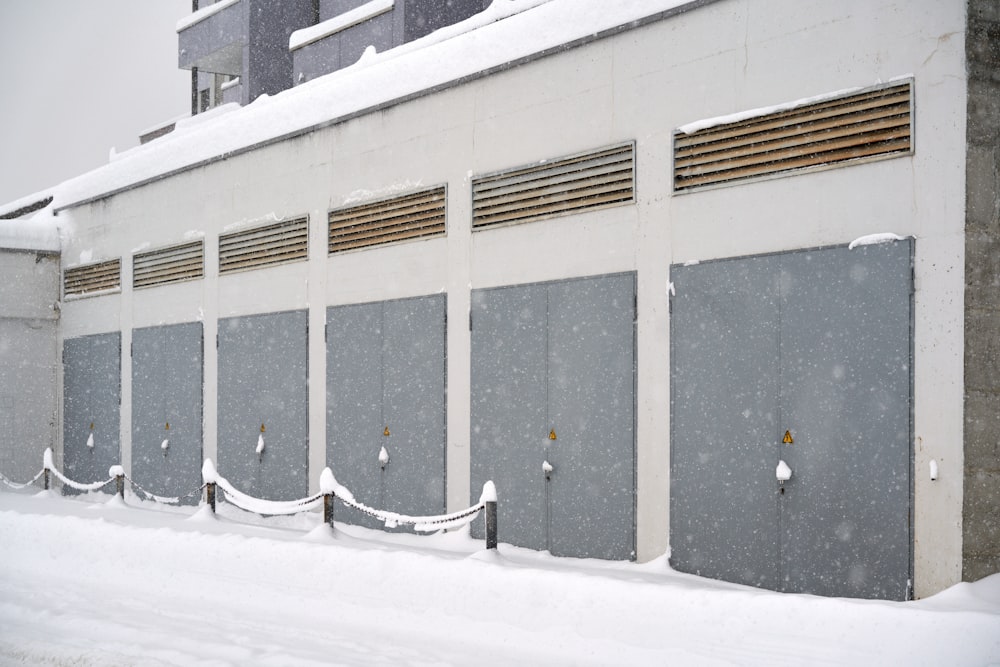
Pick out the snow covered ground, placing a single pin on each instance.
(91, 580)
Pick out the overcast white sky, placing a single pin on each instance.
(78, 77)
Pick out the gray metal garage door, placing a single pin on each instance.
(167, 408)
(263, 391)
(386, 389)
(801, 357)
(553, 382)
(91, 406)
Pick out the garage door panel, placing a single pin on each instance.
(91, 406)
(386, 388)
(508, 410)
(845, 387)
(553, 380)
(354, 404)
(167, 408)
(724, 339)
(414, 370)
(591, 380)
(263, 391)
(821, 339)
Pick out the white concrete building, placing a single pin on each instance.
(601, 257)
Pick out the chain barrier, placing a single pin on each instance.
(17, 485)
(331, 489)
(93, 486)
(167, 500)
(423, 524)
(267, 507)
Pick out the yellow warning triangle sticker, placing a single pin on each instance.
(788, 438)
(552, 434)
(386, 431)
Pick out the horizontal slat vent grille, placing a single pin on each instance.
(260, 247)
(414, 216)
(871, 124)
(169, 265)
(92, 278)
(579, 183)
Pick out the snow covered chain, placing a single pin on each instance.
(329, 489)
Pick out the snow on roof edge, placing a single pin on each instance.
(387, 79)
(24, 205)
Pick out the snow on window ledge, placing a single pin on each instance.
(203, 14)
(367, 11)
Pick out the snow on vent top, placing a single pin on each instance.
(705, 123)
(507, 31)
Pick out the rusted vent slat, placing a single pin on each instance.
(269, 245)
(871, 124)
(408, 217)
(577, 183)
(169, 265)
(90, 279)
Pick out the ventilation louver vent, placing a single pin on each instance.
(169, 265)
(413, 216)
(269, 245)
(871, 124)
(93, 278)
(578, 183)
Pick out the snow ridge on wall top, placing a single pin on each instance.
(31, 235)
(508, 31)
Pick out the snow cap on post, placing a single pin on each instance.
(116, 471)
(208, 474)
(47, 459)
(489, 494)
(327, 482)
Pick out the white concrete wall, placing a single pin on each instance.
(729, 56)
(29, 317)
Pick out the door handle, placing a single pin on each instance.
(782, 472)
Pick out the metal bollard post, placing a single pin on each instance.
(120, 485)
(491, 524)
(47, 480)
(328, 509)
(210, 495)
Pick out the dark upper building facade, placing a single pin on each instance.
(238, 50)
